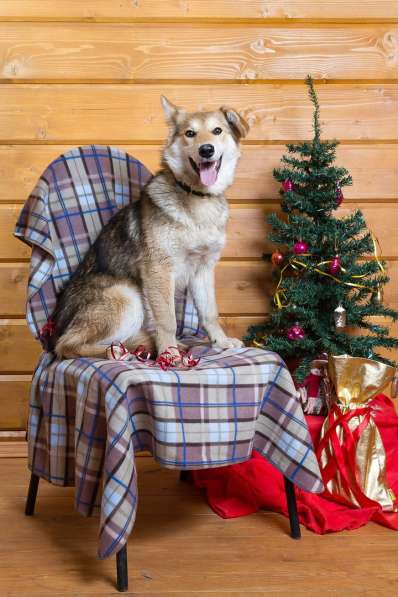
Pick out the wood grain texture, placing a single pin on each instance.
(374, 169)
(13, 285)
(10, 247)
(247, 230)
(248, 286)
(98, 75)
(123, 51)
(241, 279)
(14, 449)
(130, 113)
(215, 557)
(19, 351)
(202, 9)
(14, 396)
(243, 287)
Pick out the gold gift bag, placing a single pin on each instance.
(351, 452)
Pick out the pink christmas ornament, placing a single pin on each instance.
(287, 185)
(300, 247)
(296, 332)
(335, 265)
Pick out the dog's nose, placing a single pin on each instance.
(206, 151)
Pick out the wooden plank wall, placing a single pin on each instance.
(74, 71)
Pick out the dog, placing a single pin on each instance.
(171, 238)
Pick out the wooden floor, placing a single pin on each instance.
(179, 547)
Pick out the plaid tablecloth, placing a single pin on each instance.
(87, 417)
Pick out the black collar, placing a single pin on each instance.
(188, 189)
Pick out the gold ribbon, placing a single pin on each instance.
(280, 298)
(316, 269)
(375, 240)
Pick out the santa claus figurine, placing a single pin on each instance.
(314, 392)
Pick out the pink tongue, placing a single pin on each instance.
(208, 174)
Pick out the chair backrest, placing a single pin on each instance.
(73, 199)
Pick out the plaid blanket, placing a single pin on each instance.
(87, 416)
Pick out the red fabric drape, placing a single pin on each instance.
(245, 488)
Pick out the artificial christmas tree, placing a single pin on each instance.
(328, 277)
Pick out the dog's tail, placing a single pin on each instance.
(73, 344)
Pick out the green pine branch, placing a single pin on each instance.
(309, 294)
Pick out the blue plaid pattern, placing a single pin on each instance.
(88, 417)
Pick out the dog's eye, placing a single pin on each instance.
(190, 133)
(217, 131)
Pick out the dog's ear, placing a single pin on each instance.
(171, 112)
(238, 125)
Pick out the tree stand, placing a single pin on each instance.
(121, 556)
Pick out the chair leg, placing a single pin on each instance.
(32, 493)
(295, 531)
(184, 475)
(121, 570)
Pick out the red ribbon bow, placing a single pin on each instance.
(169, 358)
(48, 329)
(141, 353)
(341, 458)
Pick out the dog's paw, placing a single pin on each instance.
(171, 349)
(226, 342)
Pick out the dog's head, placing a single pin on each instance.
(202, 149)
